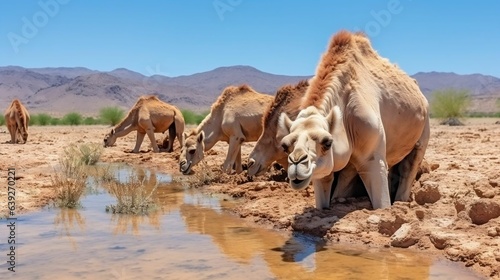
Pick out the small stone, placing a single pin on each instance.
(341, 200)
(373, 219)
(492, 232)
(403, 237)
(420, 214)
(434, 166)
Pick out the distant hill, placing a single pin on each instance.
(64, 89)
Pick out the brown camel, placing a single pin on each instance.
(17, 119)
(150, 115)
(235, 117)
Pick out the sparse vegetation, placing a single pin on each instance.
(55, 121)
(191, 117)
(91, 121)
(111, 115)
(44, 119)
(70, 181)
(449, 105)
(72, 118)
(2, 120)
(203, 176)
(132, 196)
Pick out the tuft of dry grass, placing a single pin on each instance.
(88, 153)
(70, 180)
(204, 176)
(133, 197)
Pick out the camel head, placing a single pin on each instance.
(266, 151)
(192, 151)
(110, 138)
(308, 145)
(24, 134)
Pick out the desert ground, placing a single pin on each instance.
(454, 212)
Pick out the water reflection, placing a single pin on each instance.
(299, 257)
(69, 222)
(190, 236)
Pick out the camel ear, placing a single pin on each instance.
(284, 124)
(112, 131)
(185, 135)
(201, 136)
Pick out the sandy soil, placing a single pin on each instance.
(455, 210)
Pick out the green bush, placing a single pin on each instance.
(191, 117)
(55, 121)
(91, 121)
(2, 120)
(449, 103)
(111, 115)
(43, 119)
(33, 120)
(72, 119)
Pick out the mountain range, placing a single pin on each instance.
(66, 89)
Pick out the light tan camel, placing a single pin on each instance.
(268, 147)
(17, 119)
(362, 113)
(235, 117)
(150, 115)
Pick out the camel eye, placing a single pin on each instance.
(191, 152)
(285, 148)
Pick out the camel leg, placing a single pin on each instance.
(232, 153)
(322, 189)
(151, 134)
(171, 137)
(408, 167)
(238, 167)
(138, 142)
(13, 134)
(373, 173)
(343, 187)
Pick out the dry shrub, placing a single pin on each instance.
(132, 196)
(70, 181)
(203, 176)
(88, 154)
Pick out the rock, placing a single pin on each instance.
(434, 166)
(420, 214)
(441, 239)
(483, 189)
(492, 231)
(481, 211)
(404, 237)
(497, 122)
(427, 193)
(451, 122)
(373, 219)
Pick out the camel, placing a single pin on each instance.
(17, 119)
(268, 147)
(148, 116)
(235, 117)
(362, 114)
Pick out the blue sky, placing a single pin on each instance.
(283, 37)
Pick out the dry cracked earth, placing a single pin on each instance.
(454, 212)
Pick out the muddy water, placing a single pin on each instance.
(192, 237)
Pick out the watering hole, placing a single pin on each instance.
(191, 236)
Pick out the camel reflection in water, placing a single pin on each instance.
(297, 256)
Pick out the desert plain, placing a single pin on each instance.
(454, 212)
